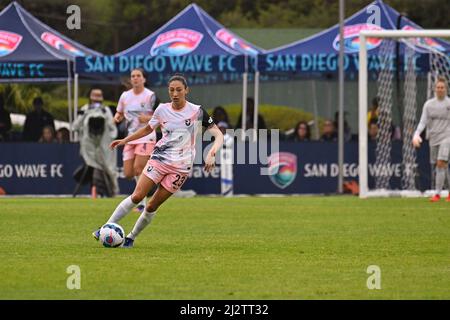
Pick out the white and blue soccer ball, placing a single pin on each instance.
(112, 235)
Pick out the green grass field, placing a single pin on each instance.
(236, 248)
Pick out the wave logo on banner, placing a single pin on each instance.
(422, 45)
(234, 43)
(61, 45)
(176, 42)
(8, 42)
(282, 168)
(351, 38)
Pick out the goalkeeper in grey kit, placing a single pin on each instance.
(436, 119)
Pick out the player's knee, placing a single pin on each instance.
(137, 172)
(137, 196)
(151, 207)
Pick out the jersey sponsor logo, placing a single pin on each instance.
(235, 43)
(422, 45)
(176, 42)
(351, 38)
(282, 168)
(9, 42)
(61, 45)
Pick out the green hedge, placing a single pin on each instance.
(275, 116)
(58, 107)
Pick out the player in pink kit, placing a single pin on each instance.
(136, 107)
(173, 155)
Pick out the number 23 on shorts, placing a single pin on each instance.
(178, 182)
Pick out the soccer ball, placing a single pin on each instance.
(112, 235)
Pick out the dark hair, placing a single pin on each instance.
(38, 101)
(375, 102)
(178, 77)
(217, 110)
(92, 89)
(308, 132)
(140, 70)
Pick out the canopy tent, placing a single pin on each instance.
(31, 51)
(318, 55)
(191, 43)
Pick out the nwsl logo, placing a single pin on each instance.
(235, 43)
(8, 42)
(282, 168)
(351, 38)
(422, 45)
(61, 45)
(176, 42)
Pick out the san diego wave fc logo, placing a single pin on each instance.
(176, 42)
(351, 38)
(9, 42)
(282, 169)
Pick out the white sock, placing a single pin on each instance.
(143, 201)
(122, 210)
(144, 220)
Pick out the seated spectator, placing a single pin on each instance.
(249, 119)
(36, 120)
(373, 130)
(329, 132)
(5, 121)
(48, 135)
(374, 111)
(301, 132)
(219, 114)
(63, 135)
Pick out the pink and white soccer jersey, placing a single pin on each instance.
(173, 155)
(132, 105)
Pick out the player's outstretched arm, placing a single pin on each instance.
(210, 160)
(138, 134)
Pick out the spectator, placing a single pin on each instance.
(63, 135)
(373, 130)
(5, 121)
(301, 132)
(36, 120)
(329, 132)
(48, 135)
(374, 111)
(249, 120)
(219, 114)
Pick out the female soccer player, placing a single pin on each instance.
(136, 106)
(173, 155)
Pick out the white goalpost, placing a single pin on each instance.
(410, 105)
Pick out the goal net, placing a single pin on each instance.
(399, 78)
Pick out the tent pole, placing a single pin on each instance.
(255, 115)
(69, 100)
(316, 112)
(341, 99)
(75, 101)
(244, 104)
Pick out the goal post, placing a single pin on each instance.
(395, 35)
